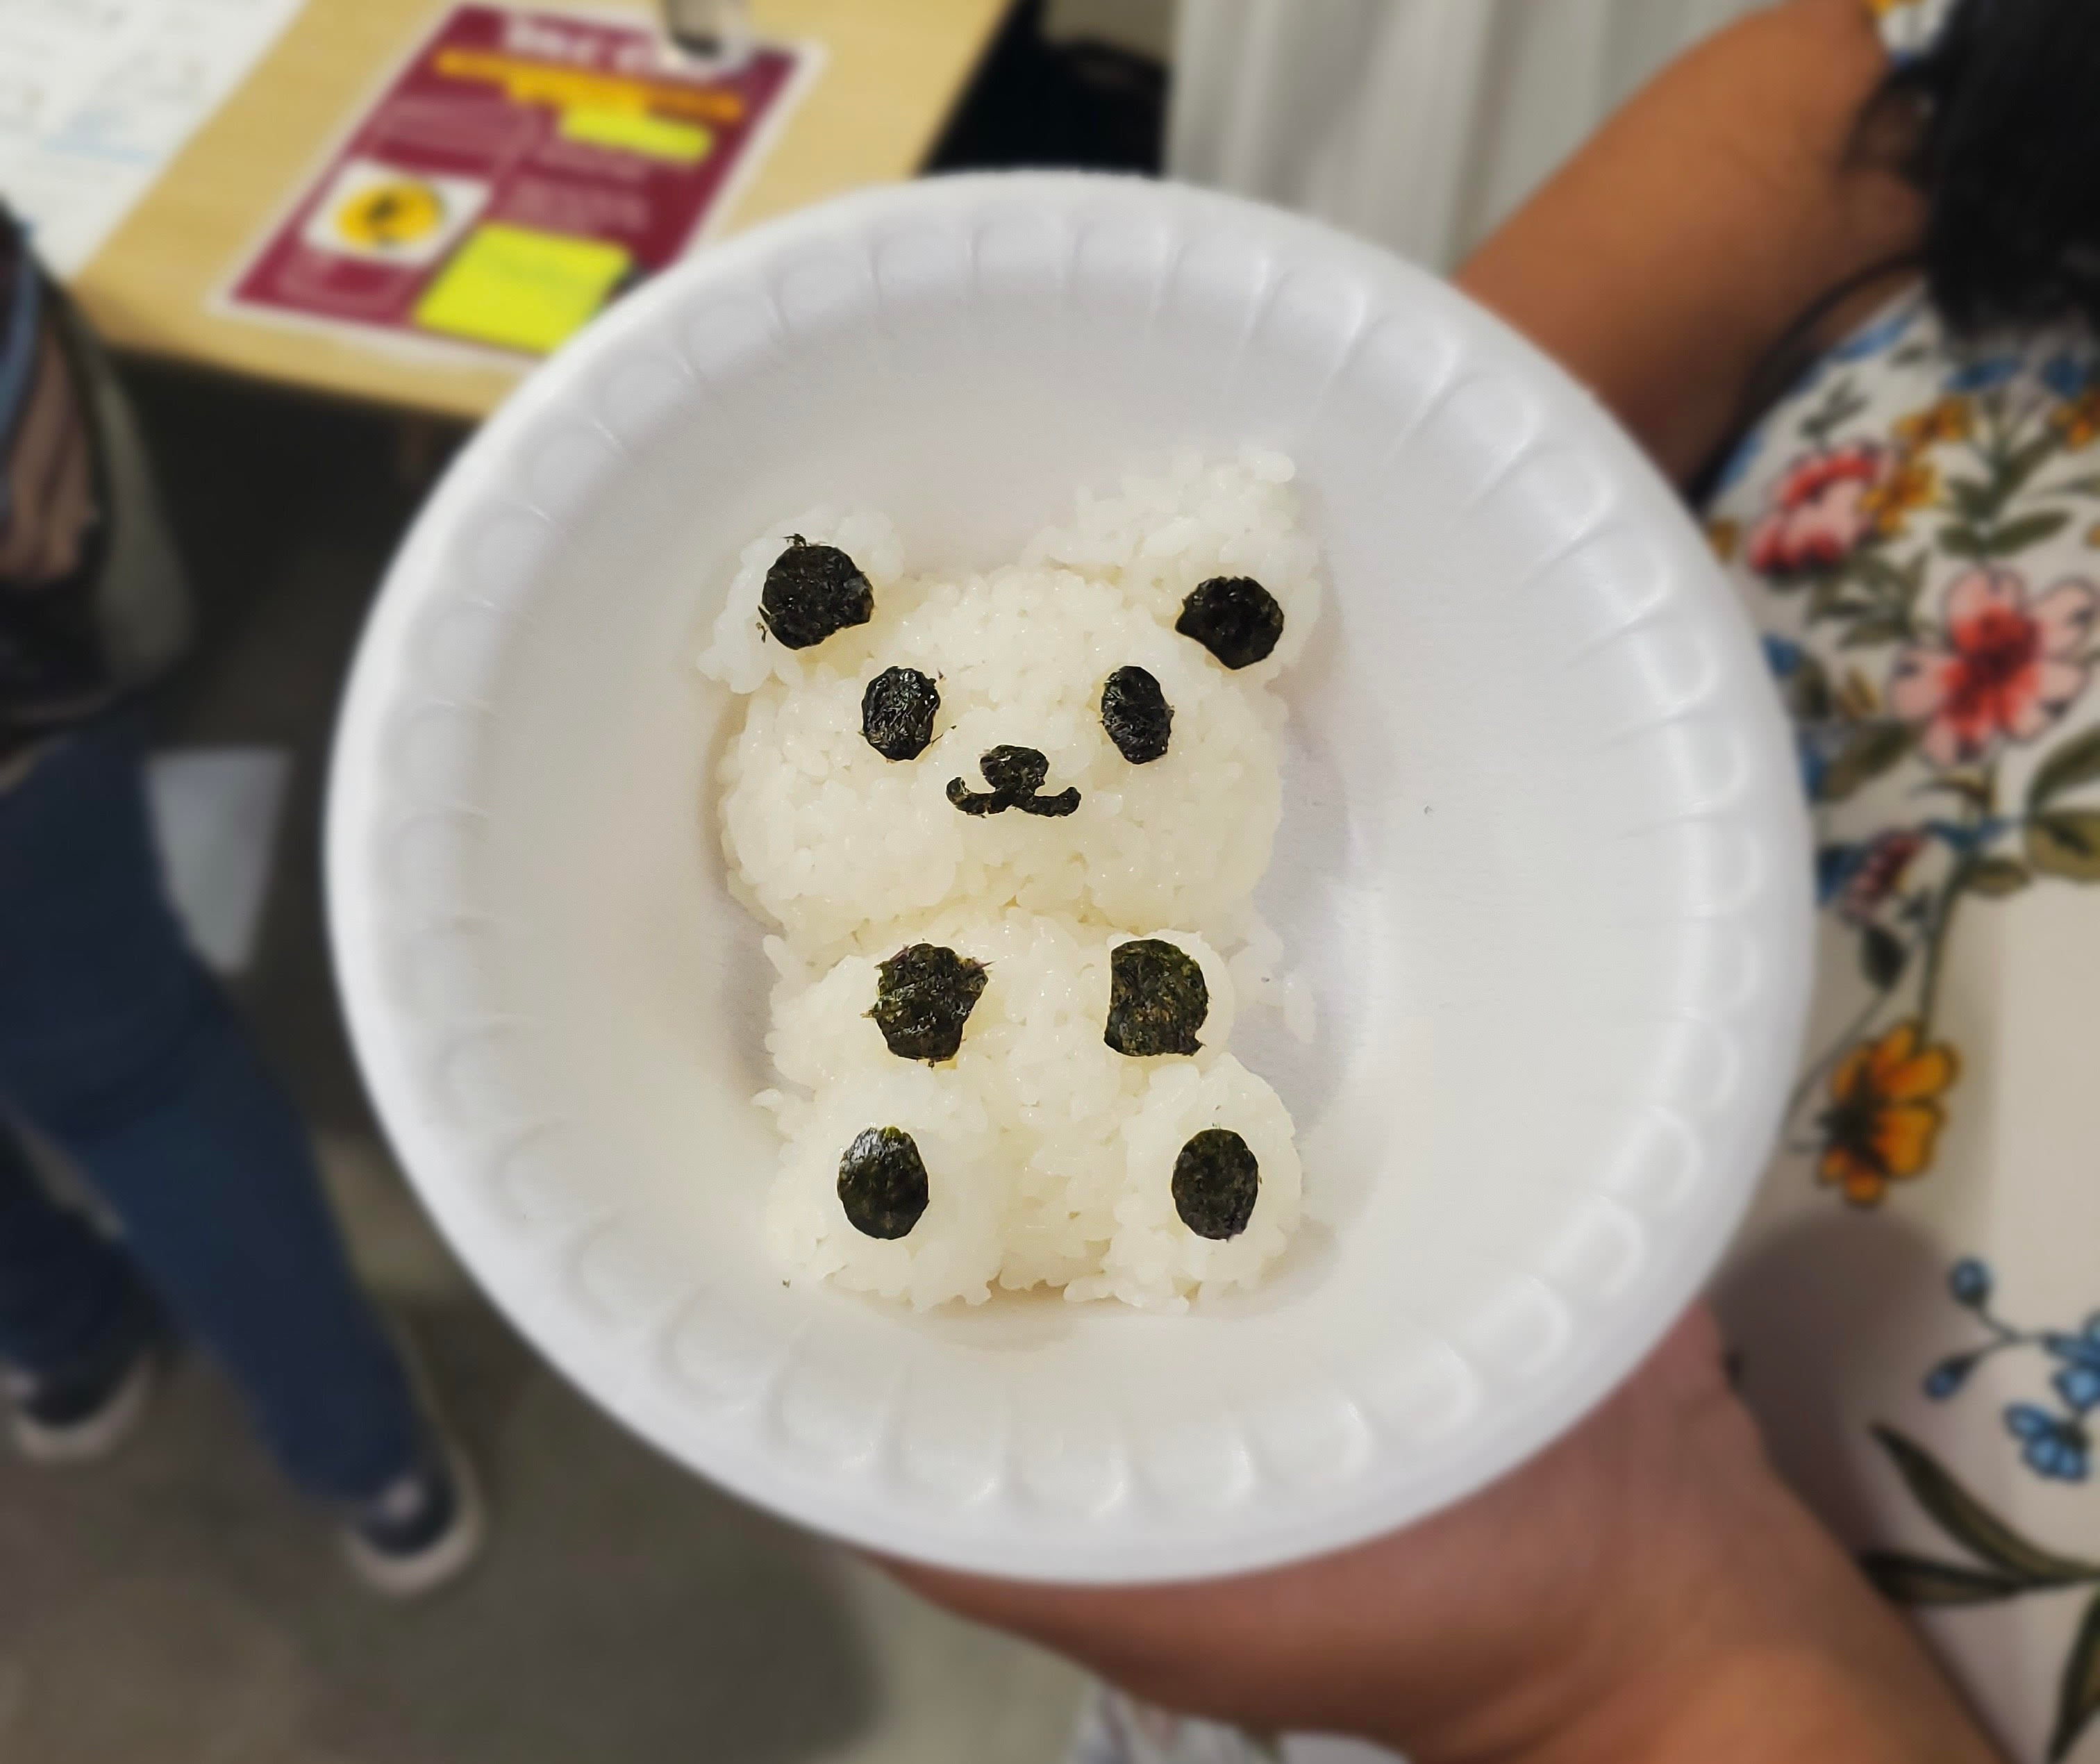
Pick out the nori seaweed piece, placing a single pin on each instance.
(882, 1183)
(1014, 775)
(1157, 999)
(1137, 715)
(897, 712)
(1234, 617)
(975, 801)
(924, 995)
(1015, 772)
(812, 591)
(1216, 1180)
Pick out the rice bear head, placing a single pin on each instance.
(1087, 733)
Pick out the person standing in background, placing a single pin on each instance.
(118, 1049)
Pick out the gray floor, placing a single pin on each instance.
(178, 1606)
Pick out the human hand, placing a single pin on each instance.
(1645, 1587)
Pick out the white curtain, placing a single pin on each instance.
(1419, 123)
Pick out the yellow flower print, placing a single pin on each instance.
(1947, 420)
(1911, 483)
(1885, 1112)
(2077, 419)
(1722, 536)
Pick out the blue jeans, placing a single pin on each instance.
(117, 1046)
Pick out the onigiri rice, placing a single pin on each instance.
(1049, 1158)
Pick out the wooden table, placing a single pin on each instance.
(892, 70)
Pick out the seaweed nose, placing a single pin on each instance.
(1014, 771)
(1015, 775)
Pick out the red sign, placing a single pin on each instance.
(522, 169)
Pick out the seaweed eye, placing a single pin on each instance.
(812, 591)
(882, 1183)
(1234, 617)
(1217, 1178)
(897, 712)
(1137, 715)
(924, 995)
(1157, 998)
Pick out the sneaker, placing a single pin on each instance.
(88, 1410)
(422, 1530)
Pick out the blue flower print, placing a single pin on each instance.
(2054, 1446)
(2078, 1383)
(1960, 839)
(1872, 339)
(1815, 756)
(1998, 1561)
(2067, 375)
(1969, 1282)
(1944, 1379)
(1835, 865)
(1981, 375)
(1737, 467)
(1783, 656)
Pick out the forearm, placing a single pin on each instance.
(1721, 1624)
(1774, 1647)
(1798, 1706)
(1662, 263)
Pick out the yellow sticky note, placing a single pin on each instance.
(636, 131)
(521, 288)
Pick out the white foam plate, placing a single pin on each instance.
(1542, 862)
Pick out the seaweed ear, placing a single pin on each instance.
(1234, 617)
(814, 591)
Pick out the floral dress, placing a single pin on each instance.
(1916, 1297)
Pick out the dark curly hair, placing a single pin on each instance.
(2004, 139)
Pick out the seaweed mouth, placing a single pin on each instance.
(1016, 776)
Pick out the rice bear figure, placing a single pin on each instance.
(1005, 825)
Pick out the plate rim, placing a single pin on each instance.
(613, 1369)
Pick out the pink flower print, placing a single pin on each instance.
(1818, 511)
(2000, 668)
